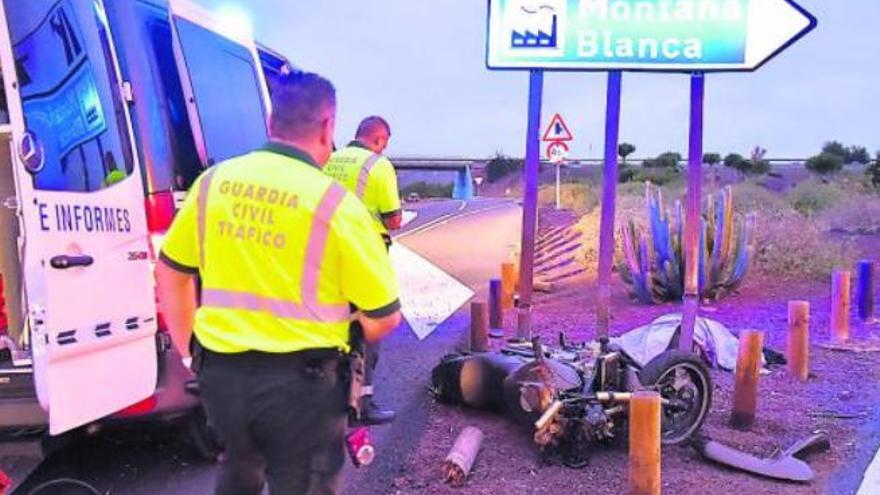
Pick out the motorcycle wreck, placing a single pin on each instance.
(575, 397)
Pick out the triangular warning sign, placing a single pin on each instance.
(557, 130)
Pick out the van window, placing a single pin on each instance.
(227, 89)
(186, 163)
(70, 94)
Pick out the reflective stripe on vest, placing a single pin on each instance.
(310, 309)
(364, 175)
(202, 212)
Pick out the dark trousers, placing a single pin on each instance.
(281, 419)
(369, 351)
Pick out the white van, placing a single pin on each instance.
(110, 109)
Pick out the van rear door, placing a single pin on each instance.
(223, 82)
(85, 257)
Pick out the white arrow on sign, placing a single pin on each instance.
(649, 35)
(428, 295)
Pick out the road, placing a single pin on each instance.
(466, 239)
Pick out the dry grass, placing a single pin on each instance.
(790, 244)
(579, 197)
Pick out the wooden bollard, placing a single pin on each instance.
(461, 458)
(841, 285)
(865, 291)
(644, 444)
(508, 284)
(799, 339)
(748, 372)
(479, 326)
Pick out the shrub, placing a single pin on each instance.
(428, 190)
(734, 160)
(789, 247)
(711, 159)
(653, 258)
(625, 173)
(857, 154)
(624, 150)
(825, 163)
(658, 176)
(873, 172)
(501, 166)
(858, 215)
(834, 148)
(669, 159)
(811, 197)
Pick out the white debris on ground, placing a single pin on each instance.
(645, 343)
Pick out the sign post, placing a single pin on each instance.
(530, 206)
(557, 134)
(609, 201)
(693, 226)
(685, 36)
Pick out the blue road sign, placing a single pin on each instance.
(651, 35)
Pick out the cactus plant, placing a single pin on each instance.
(653, 258)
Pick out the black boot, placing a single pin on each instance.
(372, 414)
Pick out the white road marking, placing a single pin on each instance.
(871, 480)
(429, 296)
(445, 219)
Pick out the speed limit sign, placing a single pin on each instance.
(557, 152)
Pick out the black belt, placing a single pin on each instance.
(308, 357)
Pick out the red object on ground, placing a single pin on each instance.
(5, 482)
(3, 321)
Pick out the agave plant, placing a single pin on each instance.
(653, 259)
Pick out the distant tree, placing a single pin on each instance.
(874, 172)
(857, 154)
(825, 163)
(501, 166)
(624, 150)
(835, 148)
(734, 161)
(670, 159)
(711, 159)
(758, 165)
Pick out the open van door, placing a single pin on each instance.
(223, 82)
(84, 253)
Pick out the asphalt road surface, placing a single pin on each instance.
(466, 239)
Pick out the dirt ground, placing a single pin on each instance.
(840, 398)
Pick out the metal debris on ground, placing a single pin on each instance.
(460, 461)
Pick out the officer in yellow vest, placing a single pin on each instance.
(283, 252)
(364, 171)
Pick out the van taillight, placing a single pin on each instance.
(160, 211)
(3, 321)
(160, 214)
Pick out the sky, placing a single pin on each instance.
(421, 64)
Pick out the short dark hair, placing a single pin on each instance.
(370, 125)
(300, 101)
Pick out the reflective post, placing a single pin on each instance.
(865, 290)
(530, 206)
(841, 291)
(693, 225)
(609, 200)
(644, 443)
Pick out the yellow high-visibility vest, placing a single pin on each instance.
(370, 177)
(282, 251)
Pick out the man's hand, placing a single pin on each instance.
(177, 298)
(392, 221)
(377, 328)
